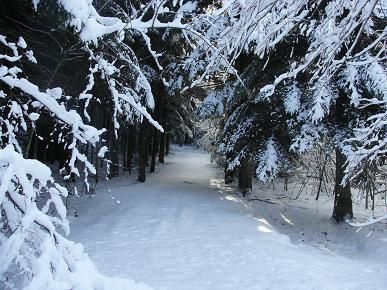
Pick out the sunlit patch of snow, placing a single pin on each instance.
(264, 229)
(286, 219)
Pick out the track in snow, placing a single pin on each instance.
(177, 231)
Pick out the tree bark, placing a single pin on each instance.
(96, 166)
(162, 148)
(124, 148)
(154, 150)
(30, 139)
(229, 176)
(163, 121)
(342, 208)
(114, 166)
(143, 151)
(167, 142)
(245, 183)
(131, 148)
(343, 199)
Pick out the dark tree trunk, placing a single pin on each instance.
(162, 148)
(124, 149)
(114, 166)
(155, 148)
(343, 199)
(163, 121)
(36, 148)
(342, 208)
(150, 140)
(167, 143)
(229, 176)
(30, 143)
(245, 183)
(96, 167)
(131, 148)
(143, 151)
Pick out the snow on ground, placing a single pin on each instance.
(308, 222)
(184, 229)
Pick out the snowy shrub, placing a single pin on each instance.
(35, 254)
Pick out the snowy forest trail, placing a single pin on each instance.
(179, 231)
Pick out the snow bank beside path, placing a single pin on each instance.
(181, 231)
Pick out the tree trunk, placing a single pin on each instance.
(143, 151)
(154, 150)
(114, 166)
(124, 148)
(245, 183)
(229, 176)
(163, 121)
(96, 166)
(162, 148)
(131, 148)
(342, 208)
(343, 199)
(167, 143)
(31, 134)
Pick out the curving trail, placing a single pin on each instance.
(181, 230)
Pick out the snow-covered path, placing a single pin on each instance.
(179, 231)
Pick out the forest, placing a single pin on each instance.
(286, 97)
